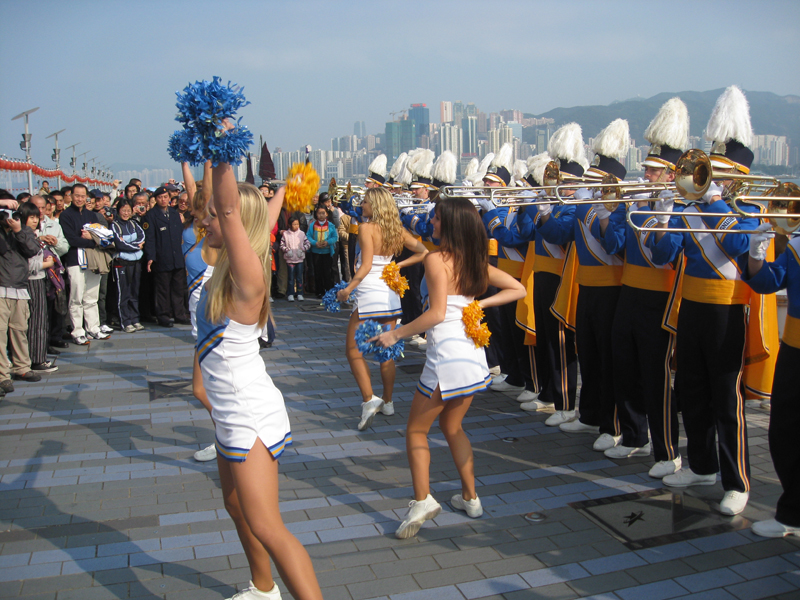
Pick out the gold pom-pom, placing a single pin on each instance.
(302, 184)
(476, 331)
(396, 282)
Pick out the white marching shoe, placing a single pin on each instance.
(206, 454)
(576, 426)
(665, 467)
(620, 451)
(527, 396)
(686, 477)
(733, 502)
(368, 411)
(253, 593)
(774, 529)
(606, 441)
(561, 416)
(418, 512)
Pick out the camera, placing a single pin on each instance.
(7, 213)
(107, 211)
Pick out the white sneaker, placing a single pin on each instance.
(106, 329)
(499, 377)
(686, 477)
(665, 467)
(620, 451)
(129, 329)
(533, 405)
(527, 396)
(138, 326)
(494, 371)
(271, 299)
(300, 297)
(733, 502)
(577, 427)
(388, 408)
(206, 454)
(253, 593)
(561, 416)
(472, 507)
(98, 335)
(418, 340)
(606, 441)
(503, 386)
(418, 513)
(368, 411)
(290, 298)
(774, 529)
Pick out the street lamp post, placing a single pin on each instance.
(25, 144)
(56, 155)
(83, 164)
(74, 162)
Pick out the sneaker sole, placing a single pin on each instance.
(413, 527)
(685, 485)
(362, 425)
(466, 512)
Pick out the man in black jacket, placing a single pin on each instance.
(163, 229)
(17, 245)
(84, 283)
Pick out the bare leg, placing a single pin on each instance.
(388, 368)
(450, 424)
(423, 413)
(358, 365)
(257, 556)
(256, 483)
(198, 389)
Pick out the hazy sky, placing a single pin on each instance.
(107, 71)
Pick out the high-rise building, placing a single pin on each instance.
(469, 126)
(318, 160)
(516, 128)
(450, 139)
(458, 111)
(335, 170)
(400, 137)
(494, 121)
(492, 140)
(360, 129)
(420, 116)
(470, 110)
(446, 112)
(482, 124)
(771, 150)
(511, 115)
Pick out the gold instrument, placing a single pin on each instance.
(694, 175)
(648, 213)
(783, 207)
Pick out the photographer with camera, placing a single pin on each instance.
(17, 245)
(84, 283)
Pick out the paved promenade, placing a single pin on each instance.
(100, 497)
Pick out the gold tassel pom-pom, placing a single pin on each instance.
(302, 184)
(476, 331)
(396, 282)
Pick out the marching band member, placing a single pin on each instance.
(784, 423)
(514, 359)
(556, 360)
(641, 346)
(599, 276)
(712, 319)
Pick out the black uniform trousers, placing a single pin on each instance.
(710, 346)
(593, 322)
(784, 424)
(555, 358)
(411, 302)
(509, 340)
(127, 274)
(641, 351)
(323, 272)
(352, 241)
(171, 295)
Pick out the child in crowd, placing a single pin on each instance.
(294, 245)
(128, 240)
(323, 238)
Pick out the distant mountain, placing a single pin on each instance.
(771, 114)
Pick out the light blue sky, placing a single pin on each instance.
(107, 70)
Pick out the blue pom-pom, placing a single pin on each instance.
(202, 107)
(329, 299)
(369, 329)
(176, 147)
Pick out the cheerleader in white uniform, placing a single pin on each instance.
(455, 369)
(379, 240)
(250, 420)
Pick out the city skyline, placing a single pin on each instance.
(111, 80)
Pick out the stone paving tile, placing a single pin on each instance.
(100, 497)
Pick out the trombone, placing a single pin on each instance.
(640, 228)
(694, 175)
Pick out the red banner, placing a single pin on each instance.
(21, 166)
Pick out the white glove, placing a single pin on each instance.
(601, 211)
(665, 204)
(713, 194)
(544, 209)
(486, 204)
(466, 183)
(583, 194)
(407, 210)
(429, 206)
(759, 242)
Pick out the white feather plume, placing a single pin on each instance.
(504, 157)
(477, 177)
(421, 163)
(398, 165)
(536, 166)
(670, 126)
(444, 169)
(378, 166)
(614, 141)
(567, 144)
(730, 119)
(472, 168)
(520, 170)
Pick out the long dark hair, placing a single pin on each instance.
(464, 239)
(27, 210)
